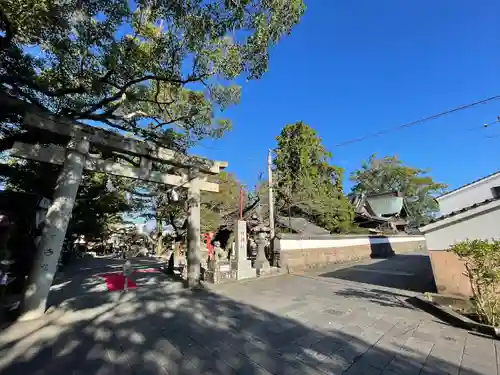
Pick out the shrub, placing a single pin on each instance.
(482, 264)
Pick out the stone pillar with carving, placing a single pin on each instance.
(193, 230)
(56, 223)
(241, 265)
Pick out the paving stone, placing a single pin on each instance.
(195, 354)
(163, 353)
(389, 372)
(253, 353)
(452, 349)
(383, 324)
(286, 325)
(403, 329)
(330, 365)
(309, 339)
(218, 367)
(353, 329)
(440, 367)
(475, 371)
(431, 371)
(404, 366)
(371, 335)
(234, 359)
(481, 365)
(152, 368)
(415, 348)
(448, 363)
(362, 369)
(351, 352)
(253, 371)
(329, 345)
(391, 344)
(376, 357)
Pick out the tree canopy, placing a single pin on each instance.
(220, 208)
(145, 67)
(156, 203)
(162, 71)
(388, 173)
(306, 183)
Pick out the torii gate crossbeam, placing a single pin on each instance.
(74, 159)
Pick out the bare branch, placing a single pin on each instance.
(160, 124)
(124, 88)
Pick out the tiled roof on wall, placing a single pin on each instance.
(465, 209)
(470, 183)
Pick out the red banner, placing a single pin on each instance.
(207, 238)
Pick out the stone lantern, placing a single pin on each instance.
(261, 233)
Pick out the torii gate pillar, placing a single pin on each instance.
(75, 159)
(54, 231)
(193, 230)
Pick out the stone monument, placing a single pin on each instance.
(241, 264)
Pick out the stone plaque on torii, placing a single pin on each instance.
(74, 158)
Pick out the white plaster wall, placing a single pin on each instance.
(467, 196)
(483, 226)
(286, 244)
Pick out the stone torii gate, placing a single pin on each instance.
(74, 159)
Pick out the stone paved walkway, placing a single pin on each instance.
(280, 325)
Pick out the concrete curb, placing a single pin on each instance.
(449, 316)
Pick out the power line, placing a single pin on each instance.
(407, 125)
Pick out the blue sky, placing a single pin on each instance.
(354, 67)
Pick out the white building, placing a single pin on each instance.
(471, 212)
(467, 195)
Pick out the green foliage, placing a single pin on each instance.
(162, 71)
(30, 176)
(306, 184)
(154, 202)
(482, 262)
(144, 67)
(382, 175)
(96, 208)
(217, 208)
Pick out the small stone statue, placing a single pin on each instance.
(261, 260)
(219, 252)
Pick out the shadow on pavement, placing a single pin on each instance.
(379, 296)
(85, 276)
(202, 332)
(410, 272)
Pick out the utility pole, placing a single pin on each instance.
(270, 191)
(241, 201)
